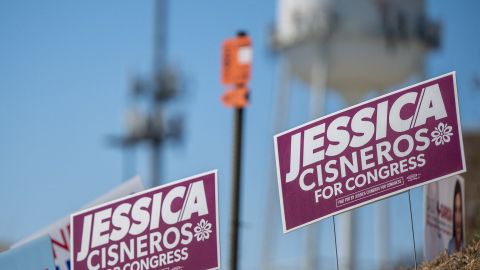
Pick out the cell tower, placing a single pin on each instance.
(151, 125)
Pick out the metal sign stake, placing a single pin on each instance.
(335, 237)
(413, 231)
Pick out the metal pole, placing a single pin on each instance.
(159, 64)
(236, 199)
(413, 231)
(155, 163)
(129, 166)
(317, 109)
(383, 241)
(160, 36)
(335, 237)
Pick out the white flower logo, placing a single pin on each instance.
(441, 134)
(203, 230)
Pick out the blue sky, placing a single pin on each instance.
(63, 89)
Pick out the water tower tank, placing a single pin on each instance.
(362, 45)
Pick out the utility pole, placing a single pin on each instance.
(150, 125)
(236, 62)
(236, 199)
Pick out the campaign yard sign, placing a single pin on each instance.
(171, 227)
(59, 232)
(34, 255)
(444, 217)
(370, 151)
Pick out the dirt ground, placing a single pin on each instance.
(468, 259)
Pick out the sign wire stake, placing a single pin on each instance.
(335, 237)
(413, 231)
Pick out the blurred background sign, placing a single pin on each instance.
(59, 232)
(444, 217)
(34, 255)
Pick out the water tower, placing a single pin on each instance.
(352, 47)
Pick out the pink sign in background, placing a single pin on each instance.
(416, 140)
(171, 227)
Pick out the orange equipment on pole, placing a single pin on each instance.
(236, 69)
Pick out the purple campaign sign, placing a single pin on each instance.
(370, 151)
(170, 227)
